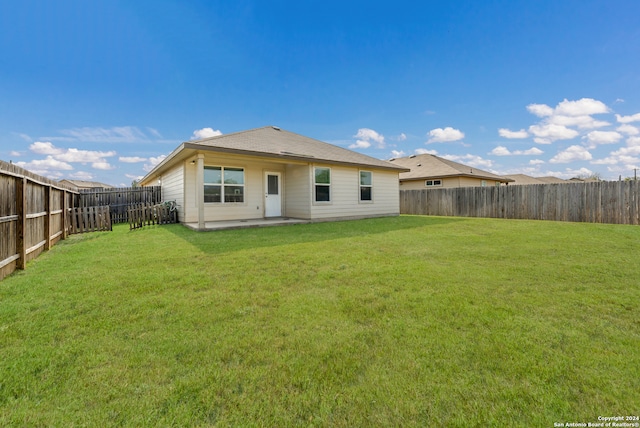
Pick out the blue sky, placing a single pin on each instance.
(102, 90)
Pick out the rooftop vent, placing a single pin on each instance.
(412, 156)
(277, 128)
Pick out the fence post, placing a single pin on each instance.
(47, 218)
(65, 216)
(21, 229)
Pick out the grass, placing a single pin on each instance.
(406, 321)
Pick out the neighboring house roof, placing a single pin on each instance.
(432, 166)
(526, 179)
(551, 180)
(82, 184)
(523, 179)
(273, 142)
(582, 180)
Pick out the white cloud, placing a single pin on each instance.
(570, 173)
(500, 151)
(594, 138)
(82, 175)
(503, 151)
(366, 136)
(536, 162)
(605, 161)
(628, 129)
(633, 141)
(102, 165)
(402, 137)
(199, 134)
(154, 132)
(533, 151)
(581, 107)
(540, 110)
(58, 158)
(153, 161)
(425, 152)
(83, 156)
(547, 133)
(628, 119)
(118, 134)
(584, 122)
(506, 133)
(14, 153)
(397, 154)
(45, 148)
(45, 165)
(572, 153)
(448, 134)
(628, 157)
(131, 159)
(360, 144)
(557, 122)
(471, 160)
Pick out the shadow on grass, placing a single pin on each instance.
(224, 241)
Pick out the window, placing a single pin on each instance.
(366, 185)
(430, 183)
(222, 184)
(322, 184)
(483, 183)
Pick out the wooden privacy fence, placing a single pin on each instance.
(147, 214)
(33, 216)
(90, 219)
(616, 202)
(119, 199)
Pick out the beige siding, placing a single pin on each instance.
(446, 182)
(173, 188)
(345, 194)
(297, 191)
(190, 206)
(253, 205)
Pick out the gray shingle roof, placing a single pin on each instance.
(431, 166)
(523, 179)
(84, 184)
(551, 180)
(276, 143)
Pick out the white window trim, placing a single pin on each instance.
(433, 183)
(222, 185)
(313, 189)
(360, 186)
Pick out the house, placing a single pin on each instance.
(522, 179)
(272, 173)
(430, 171)
(85, 185)
(551, 180)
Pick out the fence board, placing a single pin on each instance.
(119, 199)
(91, 219)
(616, 202)
(148, 214)
(31, 215)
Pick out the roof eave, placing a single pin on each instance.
(282, 156)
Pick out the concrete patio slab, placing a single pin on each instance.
(242, 224)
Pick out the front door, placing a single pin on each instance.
(272, 198)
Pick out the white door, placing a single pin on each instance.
(272, 197)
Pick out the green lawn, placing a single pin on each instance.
(405, 321)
